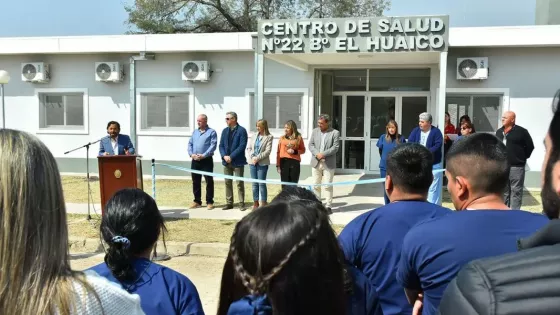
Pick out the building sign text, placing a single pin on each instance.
(382, 34)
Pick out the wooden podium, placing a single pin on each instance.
(117, 172)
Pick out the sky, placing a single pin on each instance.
(108, 17)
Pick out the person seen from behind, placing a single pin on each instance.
(527, 281)
(386, 143)
(131, 226)
(372, 241)
(361, 294)
(434, 251)
(284, 259)
(36, 277)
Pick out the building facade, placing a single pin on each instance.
(361, 79)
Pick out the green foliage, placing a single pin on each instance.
(211, 16)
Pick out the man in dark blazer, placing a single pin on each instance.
(232, 149)
(432, 138)
(116, 143)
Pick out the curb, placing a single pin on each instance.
(80, 245)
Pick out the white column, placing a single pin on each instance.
(259, 100)
(441, 108)
(258, 81)
(441, 91)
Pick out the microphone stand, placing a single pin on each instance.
(87, 170)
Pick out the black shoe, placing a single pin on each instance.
(242, 206)
(227, 207)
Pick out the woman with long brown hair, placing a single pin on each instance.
(288, 157)
(284, 259)
(386, 143)
(35, 273)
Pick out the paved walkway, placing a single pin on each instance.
(349, 201)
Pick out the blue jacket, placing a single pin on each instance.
(433, 143)
(123, 141)
(235, 149)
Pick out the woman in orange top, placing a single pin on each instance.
(290, 149)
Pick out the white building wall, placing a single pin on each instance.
(532, 77)
(106, 101)
(226, 91)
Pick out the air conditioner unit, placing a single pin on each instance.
(109, 72)
(472, 68)
(195, 71)
(37, 72)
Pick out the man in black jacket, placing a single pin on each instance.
(519, 148)
(527, 282)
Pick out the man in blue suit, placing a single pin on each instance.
(115, 143)
(232, 149)
(432, 138)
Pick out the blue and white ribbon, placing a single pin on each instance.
(277, 182)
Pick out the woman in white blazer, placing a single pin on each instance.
(259, 148)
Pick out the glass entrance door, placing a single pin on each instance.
(349, 113)
(354, 133)
(382, 109)
(362, 118)
(404, 108)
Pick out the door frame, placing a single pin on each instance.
(398, 95)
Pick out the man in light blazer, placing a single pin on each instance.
(324, 145)
(116, 143)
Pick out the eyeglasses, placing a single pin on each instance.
(227, 118)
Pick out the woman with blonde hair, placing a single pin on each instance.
(260, 147)
(35, 276)
(288, 157)
(386, 143)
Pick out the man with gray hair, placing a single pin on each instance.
(324, 144)
(432, 138)
(232, 149)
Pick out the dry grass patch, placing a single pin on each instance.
(179, 230)
(169, 192)
(178, 193)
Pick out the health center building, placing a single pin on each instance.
(360, 71)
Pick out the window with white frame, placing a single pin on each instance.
(61, 110)
(278, 108)
(165, 111)
(484, 110)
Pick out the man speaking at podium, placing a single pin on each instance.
(115, 143)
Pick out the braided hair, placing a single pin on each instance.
(288, 251)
